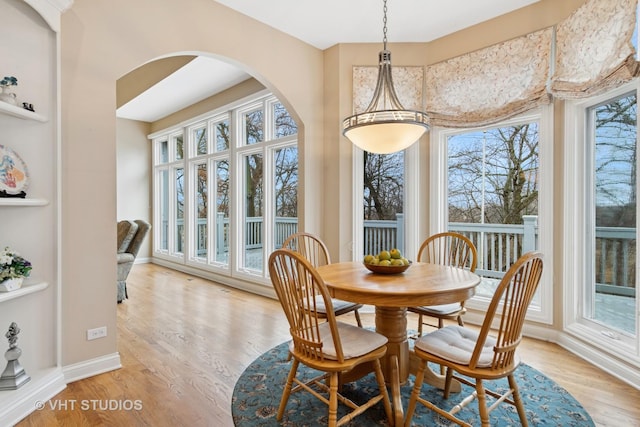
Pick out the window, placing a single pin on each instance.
(494, 186)
(601, 180)
(169, 184)
(383, 202)
(234, 171)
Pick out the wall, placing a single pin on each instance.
(133, 174)
(94, 57)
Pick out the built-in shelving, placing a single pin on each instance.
(21, 113)
(32, 224)
(26, 289)
(23, 202)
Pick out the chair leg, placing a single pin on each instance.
(517, 400)
(447, 382)
(460, 321)
(482, 404)
(384, 392)
(415, 393)
(419, 325)
(333, 399)
(287, 389)
(358, 318)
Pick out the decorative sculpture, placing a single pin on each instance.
(14, 375)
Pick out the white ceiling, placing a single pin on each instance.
(321, 24)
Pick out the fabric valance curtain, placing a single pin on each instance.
(587, 53)
(491, 84)
(593, 49)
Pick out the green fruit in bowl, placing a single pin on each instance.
(385, 263)
(368, 258)
(384, 255)
(395, 253)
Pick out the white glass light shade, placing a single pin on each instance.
(387, 131)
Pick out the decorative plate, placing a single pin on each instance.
(14, 177)
(387, 269)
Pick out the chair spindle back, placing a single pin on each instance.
(298, 285)
(510, 303)
(449, 248)
(310, 246)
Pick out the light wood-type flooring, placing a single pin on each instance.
(184, 341)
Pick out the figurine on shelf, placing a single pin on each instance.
(28, 106)
(6, 96)
(14, 375)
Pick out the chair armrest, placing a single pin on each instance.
(125, 257)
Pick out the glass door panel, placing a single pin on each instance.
(493, 196)
(253, 212)
(200, 211)
(179, 212)
(611, 296)
(286, 194)
(222, 232)
(383, 202)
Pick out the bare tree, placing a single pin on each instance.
(616, 162)
(383, 185)
(493, 175)
(286, 182)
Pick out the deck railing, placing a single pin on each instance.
(498, 245)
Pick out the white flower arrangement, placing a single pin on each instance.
(12, 265)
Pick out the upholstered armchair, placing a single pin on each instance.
(130, 237)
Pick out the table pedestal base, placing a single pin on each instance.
(392, 323)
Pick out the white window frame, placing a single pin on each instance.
(438, 212)
(234, 113)
(576, 236)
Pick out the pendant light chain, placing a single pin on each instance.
(384, 26)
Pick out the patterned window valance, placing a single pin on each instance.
(593, 53)
(593, 49)
(491, 84)
(407, 81)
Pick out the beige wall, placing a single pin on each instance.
(102, 41)
(315, 86)
(133, 176)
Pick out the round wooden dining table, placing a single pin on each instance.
(391, 294)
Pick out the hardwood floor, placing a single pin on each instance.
(184, 341)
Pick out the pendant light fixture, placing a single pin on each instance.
(385, 126)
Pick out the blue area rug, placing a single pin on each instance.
(257, 393)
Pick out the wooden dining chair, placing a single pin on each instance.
(316, 252)
(448, 248)
(323, 344)
(480, 356)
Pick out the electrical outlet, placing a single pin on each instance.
(96, 333)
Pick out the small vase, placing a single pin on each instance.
(8, 285)
(8, 97)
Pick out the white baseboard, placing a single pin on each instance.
(17, 404)
(91, 367)
(627, 373)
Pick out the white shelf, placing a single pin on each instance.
(26, 289)
(21, 113)
(11, 201)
